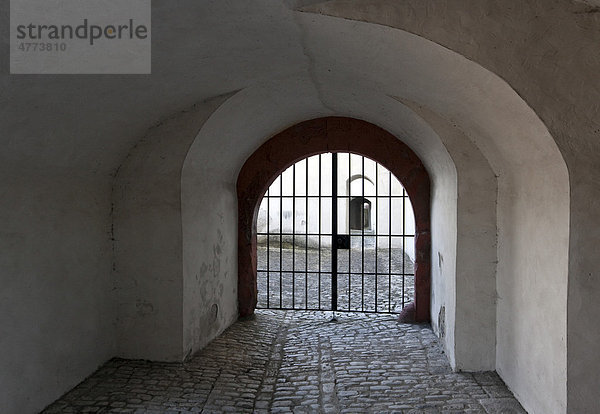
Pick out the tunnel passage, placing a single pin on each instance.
(335, 135)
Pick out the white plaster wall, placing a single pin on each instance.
(533, 190)
(209, 219)
(209, 201)
(209, 223)
(476, 258)
(148, 243)
(443, 260)
(56, 305)
(473, 289)
(532, 287)
(583, 325)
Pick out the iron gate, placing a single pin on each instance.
(335, 232)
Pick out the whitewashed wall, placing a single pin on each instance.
(278, 213)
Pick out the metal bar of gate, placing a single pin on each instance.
(294, 236)
(376, 230)
(349, 191)
(281, 242)
(403, 241)
(362, 238)
(320, 207)
(306, 232)
(268, 248)
(334, 231)
(390, 243)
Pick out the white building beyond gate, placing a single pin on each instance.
(375, 180)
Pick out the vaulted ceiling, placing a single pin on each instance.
(549, 51)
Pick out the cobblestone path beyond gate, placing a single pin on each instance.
(382, 289)
(298, 361)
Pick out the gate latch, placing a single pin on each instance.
(342, 241)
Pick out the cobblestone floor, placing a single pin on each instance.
(386, 286)
(298, 362)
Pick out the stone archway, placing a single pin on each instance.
(314, 137)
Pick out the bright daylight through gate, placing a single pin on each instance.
(335, 231)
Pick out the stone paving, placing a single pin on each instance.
(298, 362)
(388, 291)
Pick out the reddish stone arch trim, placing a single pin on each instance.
(331, 134)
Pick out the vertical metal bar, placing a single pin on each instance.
(403, 239)
(281, 241)
(268, 246)
(349, 195)
(306, 235)
(293, 236)
(320, 206)
(362, 305)
(334, 230)
(376, 228)
(390, 245)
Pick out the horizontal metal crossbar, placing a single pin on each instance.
(275, 235)
(325, 273)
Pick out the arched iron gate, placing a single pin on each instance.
(336, 231)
